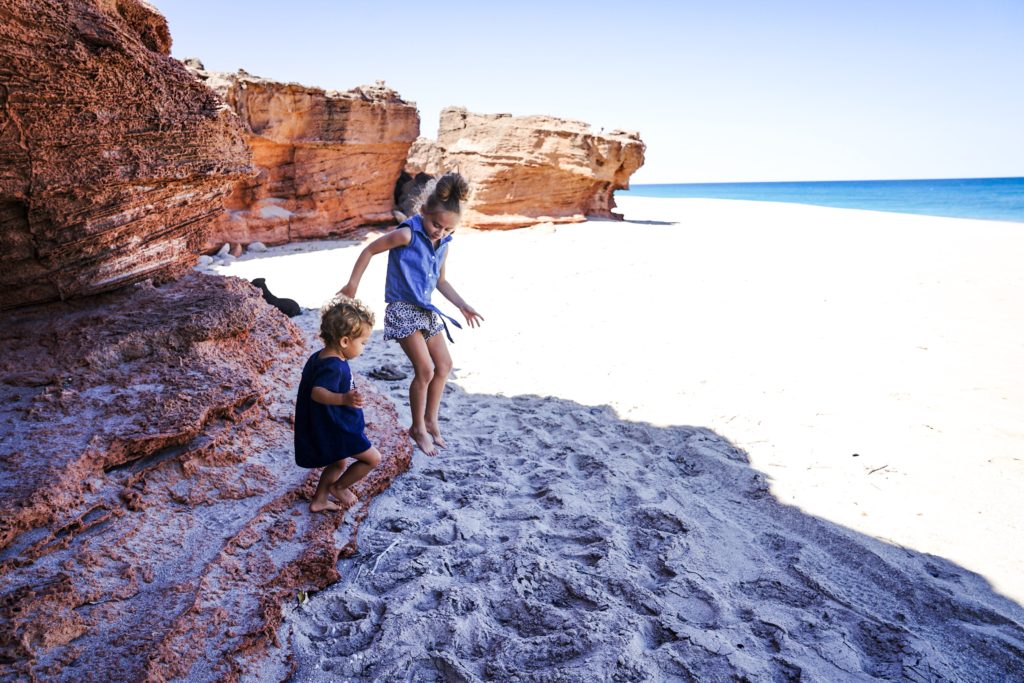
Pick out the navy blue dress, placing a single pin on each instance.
(326, 434)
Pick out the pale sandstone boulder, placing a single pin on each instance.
(525, 170)
(114, 159)
(327, 161)
(425, 156)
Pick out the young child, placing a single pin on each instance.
(328, 416)
(418, 250)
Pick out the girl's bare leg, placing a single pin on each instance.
(435, 390)
(328, 477)
(365, 462)
(415, 347)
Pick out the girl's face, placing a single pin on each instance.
(439, 225)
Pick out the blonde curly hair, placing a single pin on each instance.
(344, 316)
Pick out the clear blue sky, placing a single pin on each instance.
(720, 91)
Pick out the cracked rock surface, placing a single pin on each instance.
(152, 520)
(115, 159)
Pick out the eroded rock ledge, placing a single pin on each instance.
(525, 170)
(152, 520)
(327, 161)
(114, 157)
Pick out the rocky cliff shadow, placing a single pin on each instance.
(556, 541)
(627, 219)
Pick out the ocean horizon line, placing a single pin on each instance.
(999, 199)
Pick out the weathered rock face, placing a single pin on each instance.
(530, 169)
(153, 523)
(327, 161)
(114, 159)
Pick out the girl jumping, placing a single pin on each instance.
(417, 251)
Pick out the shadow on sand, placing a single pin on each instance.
(556, 541)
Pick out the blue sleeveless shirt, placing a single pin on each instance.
(413, 270)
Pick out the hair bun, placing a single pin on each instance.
(444, 193)
(451, 185)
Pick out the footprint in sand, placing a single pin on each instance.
(692, 604)
(429, 602)
(655, 518)
(349, 626)
(439, 533)
(773, 590)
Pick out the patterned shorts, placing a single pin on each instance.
(402, 319)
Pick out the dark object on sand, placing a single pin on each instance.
(409, 191)
(287, 306)
(387, 372)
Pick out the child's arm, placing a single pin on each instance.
(473, 319)
(396, 238)
(352, 399)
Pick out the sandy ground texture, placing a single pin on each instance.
(722, 439)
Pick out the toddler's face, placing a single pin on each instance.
(352, 347)
(440, 225)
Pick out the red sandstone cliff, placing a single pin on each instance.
(530, 169)
(327, 161)
(152, 520)
(114, 159)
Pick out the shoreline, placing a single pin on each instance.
(990, 199)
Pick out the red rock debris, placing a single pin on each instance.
(152, 520)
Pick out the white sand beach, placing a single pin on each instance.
(718, 438)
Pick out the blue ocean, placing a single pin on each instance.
(998, 199)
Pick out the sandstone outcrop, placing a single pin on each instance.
(152, 521)
(153, 524)
(327, 161)
(525, 170)
(114, 158)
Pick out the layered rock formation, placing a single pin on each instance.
(114, 159)
(530, 169)
(327, 161)
(152, 521)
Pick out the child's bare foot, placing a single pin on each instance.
(424, 441)
(347, 498)
(316, 506)
(435, 434)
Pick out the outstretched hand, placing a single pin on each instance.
(349, 291)
(473, 319)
